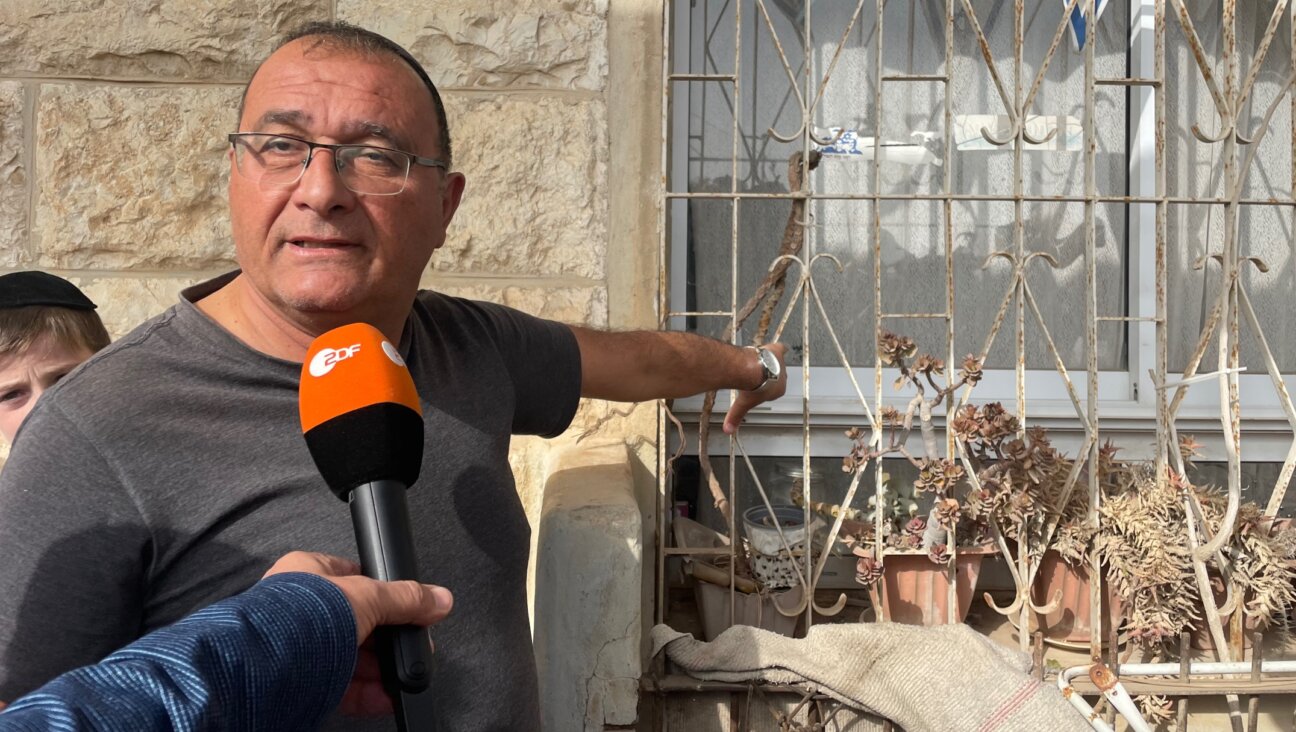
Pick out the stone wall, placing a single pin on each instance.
(112, 171)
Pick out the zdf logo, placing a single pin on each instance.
(326, 359)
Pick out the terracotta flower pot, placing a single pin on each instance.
(1199, 633)
(1072, 621)
(915, 590)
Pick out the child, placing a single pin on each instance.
(47, 328)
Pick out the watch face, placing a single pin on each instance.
(770, 362)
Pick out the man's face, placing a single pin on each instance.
(317, 248)
(25, 376)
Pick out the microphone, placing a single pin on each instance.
(364, 429)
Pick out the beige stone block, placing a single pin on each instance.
(13, 175)
(576, 305)
(496, 43)
(125, 302)
(589, 557)
(220, 40)
(601, 420)
(131, 177)
(527, 458)
(536, 200)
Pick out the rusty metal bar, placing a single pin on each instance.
(1010, 105)
(1185, 656)
(1061, 368)
(701, 77)
(1280, 386)
(1227, 358)
(716, 551)
(796, 88)
(1165, 443)
(808, 585)
(733, 296)
(1261, 51)
(916, 77)
(663, 306)
(879, 549)
(1183, 690)
(1127, 82)
(947, 221)
(1063, 23)
(1257, 661)
(951, 599)
(1091, 329)
(1203, 65)
(1031, 198)
(699, 314)
(809, 112)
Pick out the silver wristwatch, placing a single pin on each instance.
(771, 369)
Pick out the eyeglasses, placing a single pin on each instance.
(279, 161)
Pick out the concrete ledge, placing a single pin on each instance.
(587, 605)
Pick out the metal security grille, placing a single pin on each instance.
(1188, 95)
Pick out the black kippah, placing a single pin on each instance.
(25, 289)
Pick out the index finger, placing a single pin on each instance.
(325, 565)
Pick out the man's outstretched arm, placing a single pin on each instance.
(636, 366)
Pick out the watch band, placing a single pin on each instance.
(770, 367)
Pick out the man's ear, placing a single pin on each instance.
(451, 195)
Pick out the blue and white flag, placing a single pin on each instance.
(1079, 24)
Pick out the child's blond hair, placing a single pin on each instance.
(73, 329)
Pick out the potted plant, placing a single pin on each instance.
(908, 565)
(1038, 502)
(1144, 546)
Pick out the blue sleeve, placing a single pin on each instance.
(276, 657)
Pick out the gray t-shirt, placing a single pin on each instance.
(169, 471)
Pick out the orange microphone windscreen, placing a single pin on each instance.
(359, 410)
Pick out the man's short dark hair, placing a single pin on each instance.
(338, 35)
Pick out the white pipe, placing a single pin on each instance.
(1172, 669)
(1204, 667)
(1120, 699)
(1124, 704)
(1083, 707)
(1111, 687)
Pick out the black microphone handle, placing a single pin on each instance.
(386, 545)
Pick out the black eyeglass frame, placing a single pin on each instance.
(235, 137)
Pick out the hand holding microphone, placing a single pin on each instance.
(374, 604)
(364, 429)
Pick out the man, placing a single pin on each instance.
(278, 656)
(166, 471)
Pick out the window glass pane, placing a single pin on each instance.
(1195, 233)
(1195, 168)
(1056, 166)
(1257, 481)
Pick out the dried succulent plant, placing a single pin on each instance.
(1156, 708)
(1031, 493)
(954, 505)
(1144, 544)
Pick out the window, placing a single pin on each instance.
(744, 77)
(985, 183)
